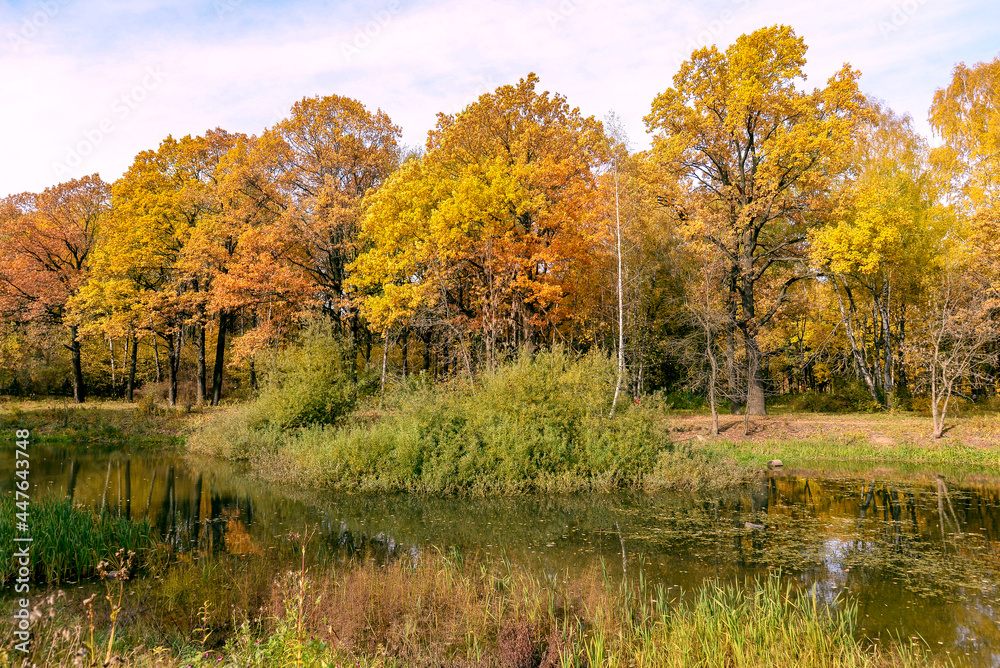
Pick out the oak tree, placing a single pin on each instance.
(757, 155)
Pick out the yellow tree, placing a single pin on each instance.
(324, 158)
(489, 235)
(886, 227)
(45, 244)
(756, 155)
(966, 115)
(142, 276)
(964, 299)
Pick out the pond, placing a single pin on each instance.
(917, 553)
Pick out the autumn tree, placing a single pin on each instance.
(960, 324)
(491, 233)
(966, 115)
(956, 328)
(256, 292)
(885, 227)
(145, 275)
(325, 157)
(46, 242)
(756, 155)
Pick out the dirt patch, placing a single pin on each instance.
(884, 430)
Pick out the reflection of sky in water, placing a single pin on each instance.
(830, 586)
(890, 559)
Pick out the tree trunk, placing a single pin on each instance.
(385, 366)
(735, 404)
(134, 353)
(174, 342)
(405, 349)
(253, 375)
(887, 380)
(156, 358)
(199, 339)
(427, 351)
(901, 380)
(621, 299)
(79, 393)
(756, 403)
(859, 362)
(713, 376)
(111, 349)
(220, 358)
(937, 419)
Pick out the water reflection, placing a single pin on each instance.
(920, 558)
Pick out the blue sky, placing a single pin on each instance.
(86, 84)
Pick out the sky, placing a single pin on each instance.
(87, 84)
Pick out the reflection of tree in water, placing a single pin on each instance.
(883, 541)
(347, 543)
(900, 538)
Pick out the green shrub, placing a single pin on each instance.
(537, 423)
(820, 402)
(309, 382)
(684, 400)
(846, 397)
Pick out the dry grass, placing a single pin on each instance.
(877, 429)
(442, 610)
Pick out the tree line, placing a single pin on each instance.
(773, 239)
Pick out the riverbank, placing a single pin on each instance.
(438, 610)
(970, 448)
(453, 440)
(656, 449)
(110, 424)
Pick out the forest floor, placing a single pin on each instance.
(877, 429)
(890, 443)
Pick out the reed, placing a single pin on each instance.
(449, 609)
(68, 541)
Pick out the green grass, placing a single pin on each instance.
(858, 449)
(98, 424)
(68, 541)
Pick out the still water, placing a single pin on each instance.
(917, 553)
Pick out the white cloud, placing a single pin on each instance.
(240, 64)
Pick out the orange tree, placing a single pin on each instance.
(45, 243)
(322, 160)
(489, 237)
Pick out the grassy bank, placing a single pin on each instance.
(444, 611)
(861, 450)
(541, 424)
(97, 424)
(897, 439)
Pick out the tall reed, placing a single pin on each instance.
(68, 541)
